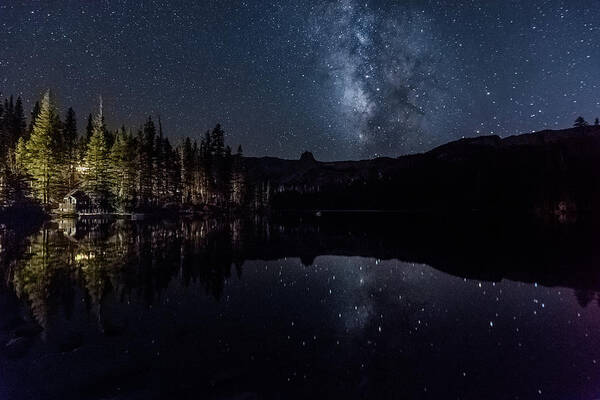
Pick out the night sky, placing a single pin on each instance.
(344, 79)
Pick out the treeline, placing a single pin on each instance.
(119, 170)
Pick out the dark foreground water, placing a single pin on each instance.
(250, 310)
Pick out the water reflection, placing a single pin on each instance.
(122, 258)
(293, 308)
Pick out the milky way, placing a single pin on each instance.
(384, 68)
(344, 79)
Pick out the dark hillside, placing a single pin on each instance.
(552, 171)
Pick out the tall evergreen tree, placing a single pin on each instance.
(71, 148)
(225, 178)
(123, 172)
(580, 122)
(172, 177)
(34, 113)
(217, 141)
(3, 138)
(19, 123)
(89, 129)
(6, 124)
(238, 182)
(160, 167)
(39, 158)
(9, 115)
(146, 161)
(96, 179)
(21, 155)
(70, 128)
(187, 170)
(206, 146)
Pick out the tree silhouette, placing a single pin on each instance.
(89, 129)
(580, 122)
(18, 123)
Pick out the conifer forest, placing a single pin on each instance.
(46, 159)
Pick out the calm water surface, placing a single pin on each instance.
(239, 310)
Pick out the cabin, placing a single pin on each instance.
(75, 201)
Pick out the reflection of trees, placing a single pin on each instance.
(128, 259)
(43, 266)
(125, 259)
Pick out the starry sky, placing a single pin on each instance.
(344, 79)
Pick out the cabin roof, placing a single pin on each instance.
(77, 194)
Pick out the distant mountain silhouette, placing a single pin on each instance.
(549, 171)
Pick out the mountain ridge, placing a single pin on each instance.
(549, 166)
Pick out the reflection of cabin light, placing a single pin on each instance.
(83, 256)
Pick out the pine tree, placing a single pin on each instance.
(97, 179)
(13, 187)
(146, 161)
(3, 139)
(138, 141)
(19, 124)
(159, 160)
(225, 177)
(172, 173)
(123, 172)
(70, 128)
(238, 181)
(217, 141)
(6, 128)
(9, 117)
(89, 129)
(34, 113)
(597, 122)
(206, 146)
(40, 160)
(580, 122)
(21, 155)
(70, 148)
(203, 171)
(187, 170)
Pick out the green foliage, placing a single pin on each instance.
(145, 161)
(117, 170)
(41, 155)
(34, 113)
(96, 181)
(70, 150)
(123, 172)
(37, 271)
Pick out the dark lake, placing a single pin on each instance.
(341, 306)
